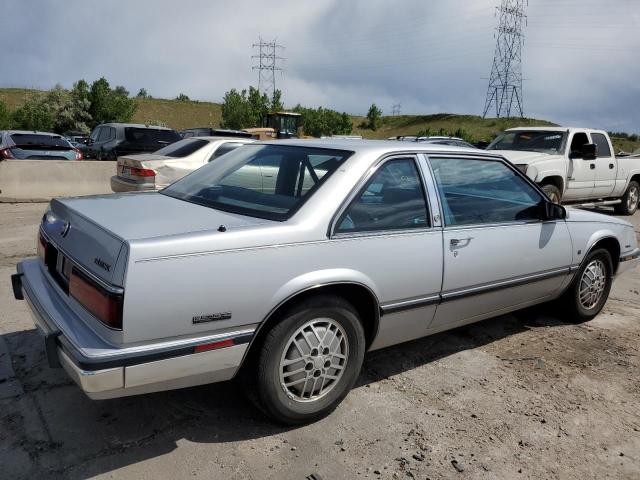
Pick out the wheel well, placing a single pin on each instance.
(555, 181)
(362, 299)
(613, 247)
(635, 178)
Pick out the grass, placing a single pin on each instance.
(180, 115)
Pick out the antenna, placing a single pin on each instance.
(505, 82)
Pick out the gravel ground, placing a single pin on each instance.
(520, 396)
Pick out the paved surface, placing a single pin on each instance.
(520, 396)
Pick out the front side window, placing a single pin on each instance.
(603, 145)
(224, 148)
(483, 191)
(393, 199)
(264, 181)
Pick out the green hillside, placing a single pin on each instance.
(179, 115)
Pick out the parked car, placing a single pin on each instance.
(283, 262)
(453, 141)
(33, 145)
(111, 140)
(153, 171)
(214, 132)
(573, 165)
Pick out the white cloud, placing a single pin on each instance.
(580, 58)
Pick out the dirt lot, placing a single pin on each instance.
(520, 396)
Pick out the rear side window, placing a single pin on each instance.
(483, 191)
(104, 134)
(31, 140)
(183, 148)
(224, 148)
(392, 200)
(603, 145)
(150, 136)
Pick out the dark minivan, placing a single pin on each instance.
(111, 140)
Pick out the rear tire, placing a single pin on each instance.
(553, 192)
(630, 200)
(589, 291)
(308, 362)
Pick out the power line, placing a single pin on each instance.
(267, 65)
(505, 82)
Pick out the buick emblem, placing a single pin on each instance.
(64, 229)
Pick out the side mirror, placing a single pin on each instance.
(589, 151)
(552, 211)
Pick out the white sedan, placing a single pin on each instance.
(153, 171)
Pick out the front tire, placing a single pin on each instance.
(309, 361)
(630, 200)
(553, 192)
(590, 288)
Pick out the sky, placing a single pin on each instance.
(581, 58)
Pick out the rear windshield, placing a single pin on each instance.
(265, 181)
(182, 148)
(33, 140)
(150, 136)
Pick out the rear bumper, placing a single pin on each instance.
(629, 261)
(119, 184)
(104, 371)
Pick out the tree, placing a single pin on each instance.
(324, 121)
(183, 98)
(142, 93)
(5, 117)
(258, 106)
(276, 101)
(34, 114)
(236, 113)
(107, 105)
(374, 117)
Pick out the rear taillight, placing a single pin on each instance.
(104, 305)
(6, 153)
(142, 172)
(41, 247)
(78, 154)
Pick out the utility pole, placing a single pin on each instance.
(505, 82)
(395, 110)
(268, 64)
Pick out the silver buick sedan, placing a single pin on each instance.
(282, 263)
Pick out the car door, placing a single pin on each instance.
(581, 174)
(498, 254)
(606, 167)
(93, 138)
(386, 232)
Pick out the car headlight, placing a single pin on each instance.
(522, 167)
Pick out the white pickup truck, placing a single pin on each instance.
(573, 165)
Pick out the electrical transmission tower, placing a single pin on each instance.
(505, 82)
(268, 65)
(396, 109)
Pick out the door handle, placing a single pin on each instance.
(611, 166)
(455, 242)
(592, 166)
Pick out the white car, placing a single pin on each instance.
(153, 171)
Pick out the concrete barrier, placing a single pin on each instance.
(41, 180)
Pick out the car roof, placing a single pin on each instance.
(224, 138)
(133, 125)
(380, 147)
(554, 129)
(31, 132)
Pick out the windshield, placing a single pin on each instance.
(552, 142)
(182, 148)
(265, 181)
(33, 140)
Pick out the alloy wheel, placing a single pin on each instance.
(314, 360)
(592, 284)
